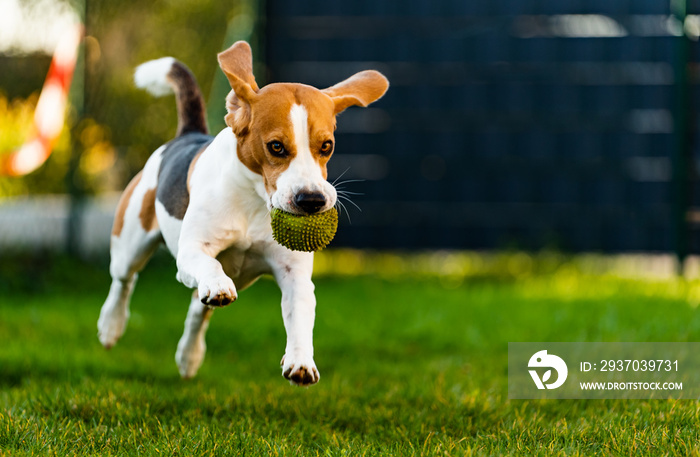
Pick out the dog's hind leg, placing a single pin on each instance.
(192, 347)
(135, 237)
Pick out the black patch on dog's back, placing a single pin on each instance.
(174, 167)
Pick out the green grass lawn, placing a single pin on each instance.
(411, 364)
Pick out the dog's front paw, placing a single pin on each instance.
(218, 291)
(300, 372)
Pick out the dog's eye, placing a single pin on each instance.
(327, 148)
(276, 149)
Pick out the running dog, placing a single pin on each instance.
(209, 199)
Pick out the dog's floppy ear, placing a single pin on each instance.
(237, 64)
(360, 89)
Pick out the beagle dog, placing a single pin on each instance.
(209, 199)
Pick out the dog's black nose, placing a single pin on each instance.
(310, 202)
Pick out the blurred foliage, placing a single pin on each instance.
(452, 268)
(16, 126)
(94, 140)
(23, 75)
(121, 35)
(120, 125)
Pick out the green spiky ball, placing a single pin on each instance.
(304, 233)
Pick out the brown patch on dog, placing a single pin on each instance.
(147, 215)
(361, 89)
(237, 64)
(123, 204)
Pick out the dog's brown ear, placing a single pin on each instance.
(237, 64)
(360, 89)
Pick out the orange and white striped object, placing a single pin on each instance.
(49, 115)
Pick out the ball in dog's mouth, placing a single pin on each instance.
(307, 233)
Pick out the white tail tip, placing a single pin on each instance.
(153, 76)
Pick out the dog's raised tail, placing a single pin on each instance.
(167, 75)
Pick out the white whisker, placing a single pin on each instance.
(347, 192)
(341, 175)
(350, 201)
(347, 182)
(344, 208)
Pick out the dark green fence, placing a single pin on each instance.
(526, 124)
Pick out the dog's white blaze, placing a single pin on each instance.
(300, 125)
(303, 164)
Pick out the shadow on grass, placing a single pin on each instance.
(13, 376)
